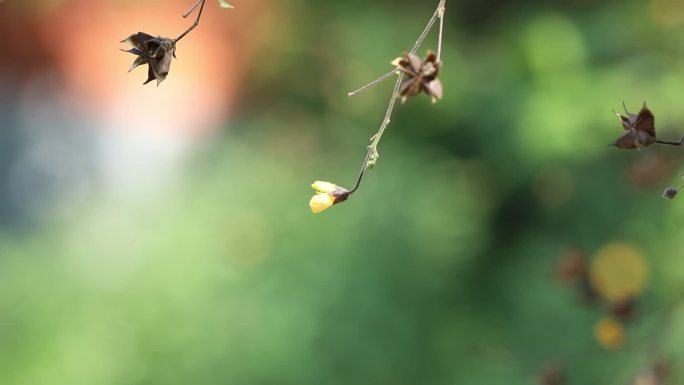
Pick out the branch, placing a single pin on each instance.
(439, 13)
(321, 201)
(679, 143)
(199, 3)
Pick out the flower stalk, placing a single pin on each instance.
(375, 139)
(413, 76)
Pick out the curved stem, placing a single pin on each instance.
(362, 172)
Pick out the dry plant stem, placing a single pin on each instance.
(200, 3)
(679, 143)
(192, 9)
(385, 122)
(363, 171)
(439, 13)
(372, 153)
(374, 82)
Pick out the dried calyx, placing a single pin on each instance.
(421, 76)
(641, 133)
(156, 52)
(640, 129)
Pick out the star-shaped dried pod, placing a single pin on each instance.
(156, 52)
(640, 129)
(421, 76)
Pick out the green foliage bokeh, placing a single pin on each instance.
(438, 271)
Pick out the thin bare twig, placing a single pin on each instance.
(192, 9)
(372, 154)
(439, 14)
(677, 143)
(385, 122)
(429, 25)
(374, 82)
(196, 23)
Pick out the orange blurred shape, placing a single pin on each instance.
(609, 333)
(202, 83)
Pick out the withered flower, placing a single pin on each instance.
(420, 76)
(156, 52)
(640, 129)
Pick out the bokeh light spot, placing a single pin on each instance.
(619, 272)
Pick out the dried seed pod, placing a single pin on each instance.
(156, 52)
(640, 130)
(421, 76)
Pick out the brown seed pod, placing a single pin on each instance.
(156, 52)
(640, 129)
(421, 76)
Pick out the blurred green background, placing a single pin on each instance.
(148, 236)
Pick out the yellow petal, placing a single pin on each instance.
(609, 333)
(324, 187)
(320, 202)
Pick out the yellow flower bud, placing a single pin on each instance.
(327, 194)
(324, 187)
(320, 202)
